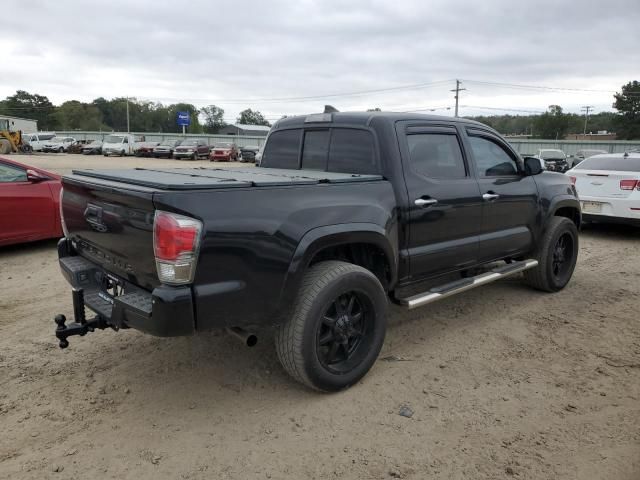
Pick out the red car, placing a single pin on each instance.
(29, 203)
(224, 152)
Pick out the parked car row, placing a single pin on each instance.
(194, 149)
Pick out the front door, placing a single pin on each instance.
(445, 207)
(510, 198)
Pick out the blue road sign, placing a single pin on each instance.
(183, 119)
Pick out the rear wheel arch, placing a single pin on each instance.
(366, 245)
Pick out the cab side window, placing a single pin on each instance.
(492, 160)
(436, 155)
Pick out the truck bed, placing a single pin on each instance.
(211, 178)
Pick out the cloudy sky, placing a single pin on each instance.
(288, 57)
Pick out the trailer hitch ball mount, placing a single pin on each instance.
(81, 326)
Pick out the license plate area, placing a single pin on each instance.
(591, 207)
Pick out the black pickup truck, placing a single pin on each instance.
(346, 212)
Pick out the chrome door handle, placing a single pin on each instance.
(490, 196)
(422, 202)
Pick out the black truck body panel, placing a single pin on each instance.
(262, 227)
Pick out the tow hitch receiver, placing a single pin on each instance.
(81, 326)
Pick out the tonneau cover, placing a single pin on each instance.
(208, 178)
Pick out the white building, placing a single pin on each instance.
(16, 123)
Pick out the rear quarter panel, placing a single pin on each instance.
(251, 236)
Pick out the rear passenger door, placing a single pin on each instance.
(444, 214)
(510, 199)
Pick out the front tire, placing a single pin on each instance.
(336, 329)
(556, 255)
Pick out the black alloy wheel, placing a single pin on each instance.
(342, 334)
(562, 256)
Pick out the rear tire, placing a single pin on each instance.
(336, 329)
(556, 255)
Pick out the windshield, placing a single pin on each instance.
(113, 139)
(45, 136)
(222, 145)
(552, 155)
(616, 164)
(189, 143)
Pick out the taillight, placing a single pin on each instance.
(176, 241)
(62, 222)
(573, 180)
(629, 184)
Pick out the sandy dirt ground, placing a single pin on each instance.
(502, 382)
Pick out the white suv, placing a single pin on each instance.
(58, 144)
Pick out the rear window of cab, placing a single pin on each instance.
(341, 150)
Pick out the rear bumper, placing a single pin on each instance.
(613, 210)
(164, 312)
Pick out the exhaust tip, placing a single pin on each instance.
(248, 338)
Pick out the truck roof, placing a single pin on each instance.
(364, 119)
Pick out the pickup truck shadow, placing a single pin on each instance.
(29, 247)
(611, 231)
(216, 370)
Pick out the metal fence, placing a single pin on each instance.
(522, 146)
(570, 147)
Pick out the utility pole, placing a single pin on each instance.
(128, 130)
(457, 95)
(586, 109)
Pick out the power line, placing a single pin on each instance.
(416, 86)
(503, 109)
(537, 87)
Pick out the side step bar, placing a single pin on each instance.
(459, 286)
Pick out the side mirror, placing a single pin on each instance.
(35, 177)
(532, 166)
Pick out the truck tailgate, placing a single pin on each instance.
(111, 224)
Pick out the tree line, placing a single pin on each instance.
(111, 115)
(145, 116)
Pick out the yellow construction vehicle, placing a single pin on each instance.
(11, 142)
